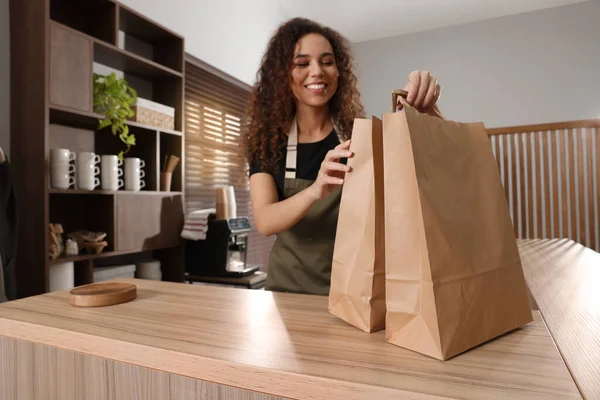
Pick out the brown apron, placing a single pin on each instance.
(300, 260)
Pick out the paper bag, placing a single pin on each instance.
(453, 273)
(357, 292)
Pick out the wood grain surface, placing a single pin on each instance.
(284, 345)
(71, 58)
(564, 279)
(37, 372)
(102, 294)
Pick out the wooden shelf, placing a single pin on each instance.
(61, 43)
(85, 257)
(133, 23)
(130, 63)
(110, 192)
(166, 45)
(95, 18)
(89, 120)
(79, 119)
(154, 128)
(78, 191)
(123, 60)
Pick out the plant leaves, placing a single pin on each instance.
(110, 79)
(112, 98)
(133, 92)
(104, 123)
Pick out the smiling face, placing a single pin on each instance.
(314, 72)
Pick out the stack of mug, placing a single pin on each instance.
(110, 171)
(61, 169)
(134, 174)
(87, 170)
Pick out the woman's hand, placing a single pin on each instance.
(423, 91)
(332, 171)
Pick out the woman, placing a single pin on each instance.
(300, 122)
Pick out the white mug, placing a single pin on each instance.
(60, 175)
(111, 172)
(88, 157)
(135, 162)
(60, 169)
(135, 186)
(87, 182)
(112, 185)
(62, 181)
(61, 156)
(111, 161)
(87, 170)
(134, 173)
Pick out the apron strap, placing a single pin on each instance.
(292, 149)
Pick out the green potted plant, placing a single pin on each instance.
(113, 98)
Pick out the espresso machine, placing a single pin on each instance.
(223, 252)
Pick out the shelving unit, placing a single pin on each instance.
(56, 45)
(87, 257)
(106, 192)
(89, 120)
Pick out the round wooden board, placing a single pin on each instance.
(102, 294)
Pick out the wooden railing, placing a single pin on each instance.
(551, 177)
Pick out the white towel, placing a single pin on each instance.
(196, 224)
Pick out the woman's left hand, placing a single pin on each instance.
(423, 91)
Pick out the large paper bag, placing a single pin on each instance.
(357, 292)
(453, 273)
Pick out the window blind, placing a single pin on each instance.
(214, 118)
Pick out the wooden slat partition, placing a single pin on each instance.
(551, 177)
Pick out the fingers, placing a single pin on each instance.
(414, 82)
(429, 97)
(423, 90)
(438, 92)
(332, 172)
(343, 146)
(336, 154)
(399, 105)
(424, 80)
(328, 166)
(332, 180)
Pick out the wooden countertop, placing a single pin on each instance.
(283, 344)
(564, 279)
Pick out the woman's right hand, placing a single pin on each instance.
(332, 171)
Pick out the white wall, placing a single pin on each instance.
(4, 78)
(535, 67)
(230, 35)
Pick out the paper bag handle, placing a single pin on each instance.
(395, 94)
(435, 111)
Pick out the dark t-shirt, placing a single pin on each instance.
(309, 158)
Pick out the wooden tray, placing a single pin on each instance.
(102, 294)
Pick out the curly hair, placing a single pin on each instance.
(272, 104)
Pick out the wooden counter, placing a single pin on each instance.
(178, 341)
(564, 279)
